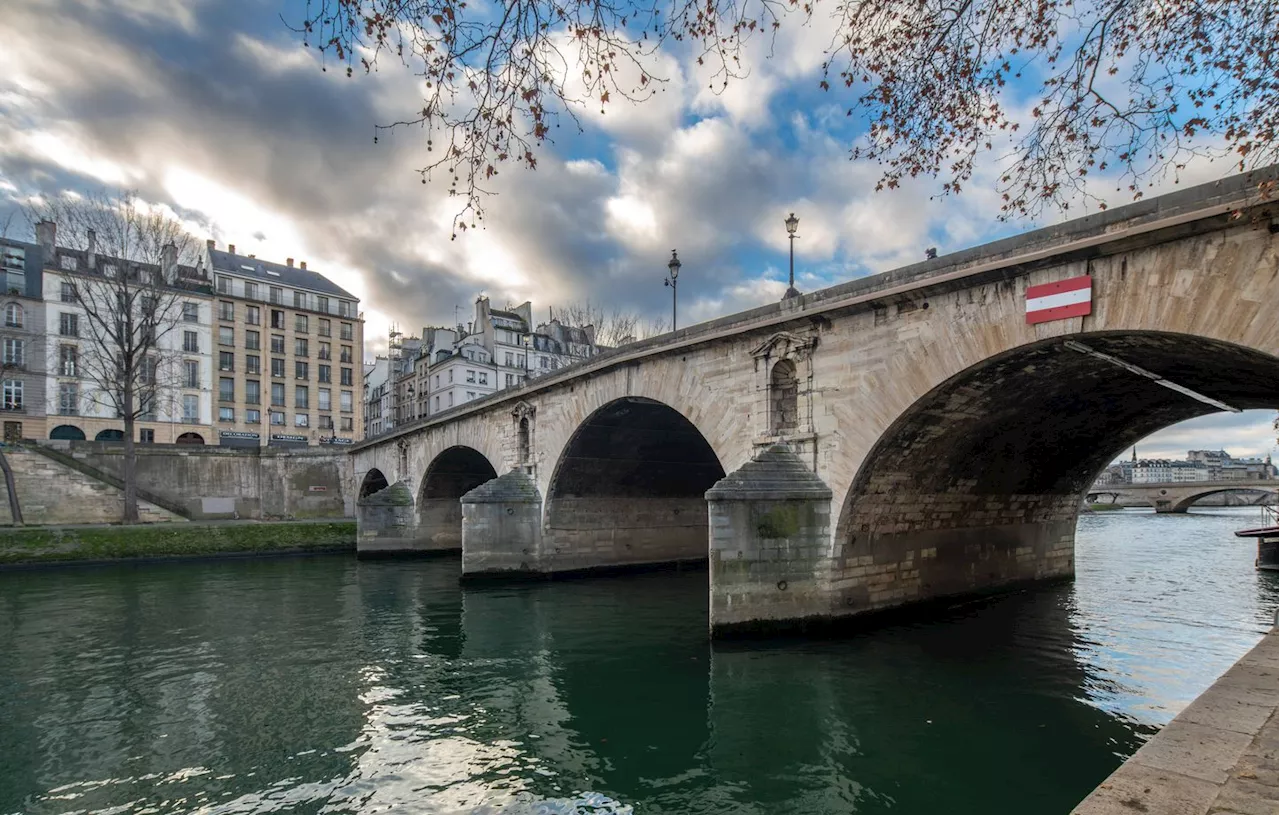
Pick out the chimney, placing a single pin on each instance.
(231, 247)
(169, 261)
(91, 254)
(288, 262)
(210, 244)
(302, 265)
(47, 237)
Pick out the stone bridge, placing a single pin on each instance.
(1177, 496)
(896, 439)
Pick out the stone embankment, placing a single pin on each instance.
(1217, 757)
(161, 541)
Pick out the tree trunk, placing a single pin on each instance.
(130, 473)
(15, 508)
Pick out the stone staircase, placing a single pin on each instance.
(51, 492)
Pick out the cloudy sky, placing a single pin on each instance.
(215, 110)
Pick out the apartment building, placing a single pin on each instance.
(62, 397)
(287, 354)
(22, 332)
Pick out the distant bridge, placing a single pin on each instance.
(1176, 496)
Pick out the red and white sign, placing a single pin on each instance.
(1058, 301)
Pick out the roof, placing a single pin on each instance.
(291, 276)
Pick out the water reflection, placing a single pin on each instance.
(327, 685)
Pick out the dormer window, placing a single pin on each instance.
(67, 262)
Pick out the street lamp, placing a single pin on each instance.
(413, 408)
(674, 268)
(792, 223)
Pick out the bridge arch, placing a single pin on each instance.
(629, 487)
(373, 481)
(1186, 502)
(978, 482)
(454, 472)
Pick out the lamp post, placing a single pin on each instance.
(673, 267)
(792, 223)
(413, 408)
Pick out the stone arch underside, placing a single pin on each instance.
(978, 484)
(450, 475)
(629, 489)
(373, 481)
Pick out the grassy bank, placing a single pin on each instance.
(103, 543)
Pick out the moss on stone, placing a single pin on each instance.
(63, 544)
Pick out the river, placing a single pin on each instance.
(326, 685)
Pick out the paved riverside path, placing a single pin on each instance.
(1217, 756)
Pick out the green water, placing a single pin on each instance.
(325, 685)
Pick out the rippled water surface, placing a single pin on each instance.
(326, 685)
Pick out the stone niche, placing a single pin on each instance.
(770, 541)
(502, 527)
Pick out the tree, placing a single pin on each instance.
(1125, 89)
(617, 327)
(130, 298)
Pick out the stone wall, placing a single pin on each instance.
(585, 533)
(222, 482)
(50, 492)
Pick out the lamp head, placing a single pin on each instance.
(674, 265)
(792, 223)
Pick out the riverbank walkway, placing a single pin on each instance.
(1217, 756)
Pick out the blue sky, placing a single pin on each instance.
(215, 110)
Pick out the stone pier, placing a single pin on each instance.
(1217, 756)
(770, 539)
(502, 527)
(386, 523)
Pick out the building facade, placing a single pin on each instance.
(22, 333)
(287, 354)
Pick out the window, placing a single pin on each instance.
(67, 359)
(471, 395)
(347, 423)
(253, 416)
(13, 315)
(520, 360)
(277, 417)
(323, 397)
(224, 284)
(437, 403)
(226, 335)
(277, 367)
(346, 309)
(68, 399)
(346, 376)
(326, 422)
(191, 342)
(15, 352)
(301, 396)
(511, 380)
(277, 319)
(346, 354)
(276, 295)
(226, 389)
(322, 304)
(484, 378)
(322, 327)
(253, 364)
(450, 398)
(13, 394)
(300, 323)
(300, 370)
(67, 262)
(300, 348)
(191, 373)
(109, 270)
(450, 376)
(252, 340)
(251, 293)
(226, 361)
(471, 376)
(191, 312)
(226, 414)
(226, 311)
(190, 407)
(277, 393)
(252, 392)
(147, 436)
(325, 351)
(251, 315)
(277, 344)
(325, 373)
(148, 370)
(344, 331)
(344, 401)
(299, 299)
(301, 420)
(68, 325)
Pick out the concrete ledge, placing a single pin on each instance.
(511, 576)
(79, 545)
(1217, 756)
